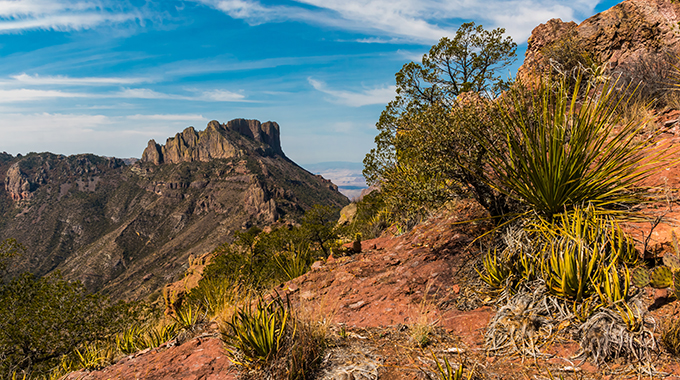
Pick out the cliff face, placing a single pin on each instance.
(129, 229)
(213, 142)
(615, 37)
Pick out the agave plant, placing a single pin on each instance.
(258, 333)
(495, 273)
(558, 151)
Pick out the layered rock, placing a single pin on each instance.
(213, 142)
(615, 37)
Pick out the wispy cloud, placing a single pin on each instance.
(423, 21)
(61, 15)
(71, 81)
(356, 99)
(27, 95)
(169, 117)
(222, 96)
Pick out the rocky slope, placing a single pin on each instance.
(615, 37)
(129, 229)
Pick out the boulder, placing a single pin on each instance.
(615, 37)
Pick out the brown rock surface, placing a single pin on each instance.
(201, 358)
(614, 37)
(17, 184)
(213, 142)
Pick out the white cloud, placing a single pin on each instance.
(357, 99)
(423, 21)
(222, 96)
(60, 15)
(59, 133)
(25, 95)
(85, 81)
(169, 117)
(145, 93)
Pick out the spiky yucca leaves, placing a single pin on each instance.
(577, 248)
(614, 287)
(296, 261)
(257, 334)
(496, 272)
(446, 372)
(559, 151)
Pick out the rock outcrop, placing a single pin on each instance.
(615, 37)
(17, 184)
(213, 142)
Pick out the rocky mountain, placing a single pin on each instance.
(616, 37)
(129, 229)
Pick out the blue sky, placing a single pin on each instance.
(105, 76)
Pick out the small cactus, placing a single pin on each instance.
(672, 261)
(640, 277)
(661, 277)
(676, 284)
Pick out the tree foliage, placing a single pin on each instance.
(43, 319)
(423, 155)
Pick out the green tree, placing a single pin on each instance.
(423, 155)
(43, 319)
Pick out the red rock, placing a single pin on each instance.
(199, 358)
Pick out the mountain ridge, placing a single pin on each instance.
(129, 229)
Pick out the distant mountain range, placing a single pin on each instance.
(346, 175)
(128, 227)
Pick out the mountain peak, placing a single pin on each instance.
(213, 142)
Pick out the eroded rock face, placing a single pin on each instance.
(615, 37)
(17, 184)
(213, 142)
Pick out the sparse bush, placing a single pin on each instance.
(670, 336)
(649, 79)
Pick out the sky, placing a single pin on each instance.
(106, 76)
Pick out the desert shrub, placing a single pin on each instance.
(259, 260)
(371, 217)
(649, 79)
(555, 152)
(670, 336)
(269, 339)
(423, 154)
(568, 58)
(44, 319)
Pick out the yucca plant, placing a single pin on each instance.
(446, 372)
(495, 272)
(92, 356)
(188, 316)
(613, 287)
(571, 268)
(214, 294)
(158, 335)
(558, 150)
(127, 341)
(258, 334)
(295, 262)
